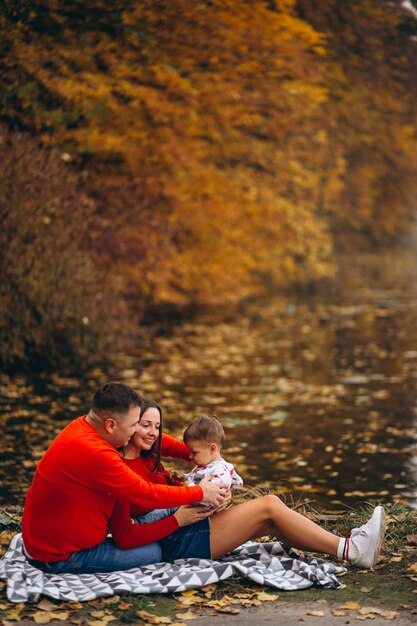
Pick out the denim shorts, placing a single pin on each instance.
(188, 542)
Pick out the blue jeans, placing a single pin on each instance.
(155, 515)
(105, 557)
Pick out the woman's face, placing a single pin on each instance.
(148, 429)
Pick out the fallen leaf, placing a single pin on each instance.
(266, 597)
(367, 589)
(189, 615)
(14, 614)
(150, 618)
(192, 600)
(373, 610)
(229, 610)
(42, 618)
(46, 605)
(316, 613)
(412, 540)
(338, 613)
(352, 606)
(124, 605)
(103, 621)
(189, 592)
(74, 605)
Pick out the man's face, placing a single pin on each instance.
(124, 427)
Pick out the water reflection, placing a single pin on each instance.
(317, 395)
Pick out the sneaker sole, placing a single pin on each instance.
(380, 537)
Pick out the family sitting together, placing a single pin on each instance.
(103, 474)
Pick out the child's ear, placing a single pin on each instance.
(213, 448)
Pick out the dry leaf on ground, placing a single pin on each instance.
(150, 618)
(352, 606)
(316, 613)
(189, 615)
(266, 597)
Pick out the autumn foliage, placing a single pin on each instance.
(223, 146)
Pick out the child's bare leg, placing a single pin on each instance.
(268, 515)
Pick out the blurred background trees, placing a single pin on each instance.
(193, 153)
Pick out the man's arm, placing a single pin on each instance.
(109, 474)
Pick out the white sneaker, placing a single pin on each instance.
(368, 538)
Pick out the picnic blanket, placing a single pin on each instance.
(270, 564)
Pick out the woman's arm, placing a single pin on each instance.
(176, 449)
(126, 534)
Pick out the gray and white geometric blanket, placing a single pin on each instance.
(270, 564)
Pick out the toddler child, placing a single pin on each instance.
(204, 438)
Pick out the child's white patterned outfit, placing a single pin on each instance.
(220, 471)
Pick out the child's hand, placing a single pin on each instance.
(177, 476)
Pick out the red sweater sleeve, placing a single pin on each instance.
(111, 475)
(126, 534)
(170, 446)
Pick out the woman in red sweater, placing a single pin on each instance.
(193, 531)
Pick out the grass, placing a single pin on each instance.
(391, 584)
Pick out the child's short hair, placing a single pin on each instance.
(205, 427)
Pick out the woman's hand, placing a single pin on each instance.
(190, 514)
(180, 477)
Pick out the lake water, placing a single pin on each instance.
(317, 394)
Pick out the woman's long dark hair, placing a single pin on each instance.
(145, 404)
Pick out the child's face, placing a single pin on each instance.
(202, 452)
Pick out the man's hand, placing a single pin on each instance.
(226, 502)
(213, 493)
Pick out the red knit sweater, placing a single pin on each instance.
(69, 504)
(143, 466)
(125, 533)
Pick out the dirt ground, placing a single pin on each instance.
(306, 613)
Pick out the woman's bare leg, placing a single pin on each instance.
(268, 515)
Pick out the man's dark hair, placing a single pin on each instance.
(115, 397)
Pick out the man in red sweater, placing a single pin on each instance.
(69, 504)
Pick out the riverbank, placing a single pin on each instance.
(384, 593)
